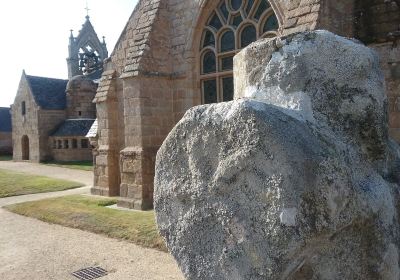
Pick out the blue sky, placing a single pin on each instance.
(34, 36)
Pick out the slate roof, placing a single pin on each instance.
(79, 127)
(48, 93)
(5, 119)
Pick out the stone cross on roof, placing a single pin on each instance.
(87, 9)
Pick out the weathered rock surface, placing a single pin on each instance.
(302, 185)
(322, 78)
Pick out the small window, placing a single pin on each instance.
(210, 91)
(271, 24)
(54, 144)
(209, 39)
(23, 108)
(80, 113)
(66, 144)
(237, 20)
(59, 144)
(224, 10)
(209, 63)
(84, 144)
(264, 5)
(250, 4)
(215, 22)
(226, 63)
(227, 88)
(248, 36)
(227, 41)
(74, 144)
(236, 4)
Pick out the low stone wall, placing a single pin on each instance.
(66, 149)
(72, 155)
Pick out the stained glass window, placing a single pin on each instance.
(226, 63)
(236, 4)
(236, 20)
(215, 22)
(248, 36)
(262, 7)
(210, 91)
(209, 39)
(227, 88)
(224, 10)
(209, 64)
(250, 4)
(227, 41)
(232, 25)
(271, 24)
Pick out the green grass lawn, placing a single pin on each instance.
(15, 183)
(80, 165)
(5, 158)
(90, 214)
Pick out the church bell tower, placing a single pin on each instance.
(86, 52)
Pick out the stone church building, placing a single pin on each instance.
(51, 117)
(175, 54)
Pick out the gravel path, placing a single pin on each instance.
(31, 249)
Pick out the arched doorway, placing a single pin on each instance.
(25, 147)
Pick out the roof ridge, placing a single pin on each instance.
(48, 78)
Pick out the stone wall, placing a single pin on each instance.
(390, 64)
(378, 34)
(6, 144)
(109, 111)
(64, 152)
(386, 19)
(80, 94)
(25, 124)
(148, 120)
(48, 121)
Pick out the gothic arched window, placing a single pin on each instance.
(233, 25)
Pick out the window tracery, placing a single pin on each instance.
(233, 25)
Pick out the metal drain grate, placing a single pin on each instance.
(90, 273)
